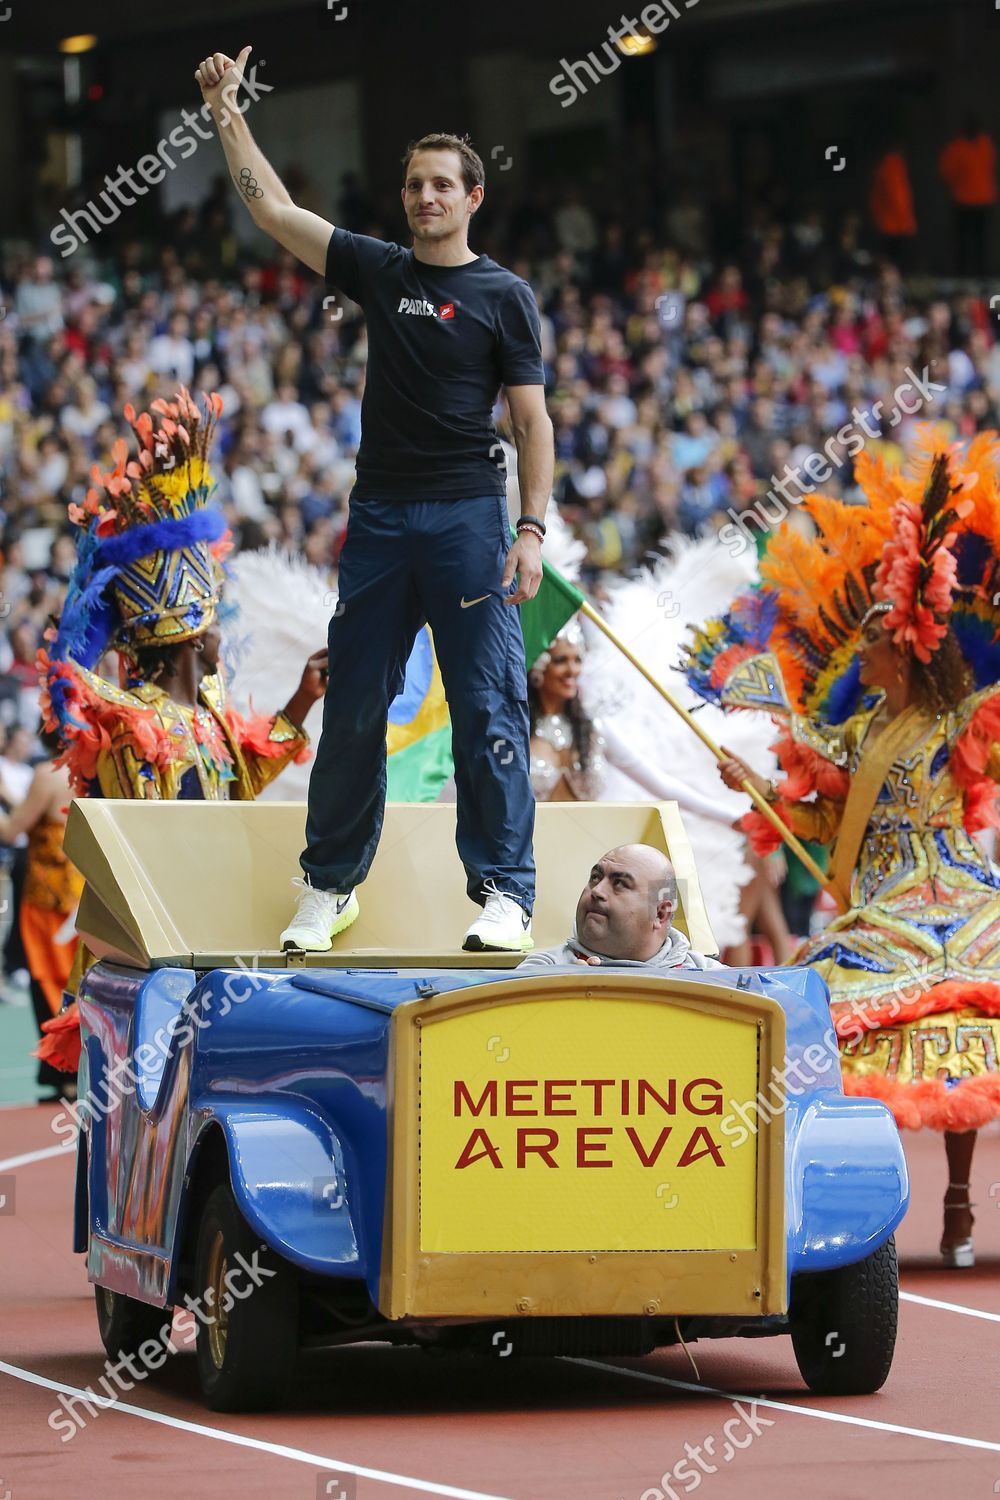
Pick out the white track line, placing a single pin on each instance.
(280, 1450)
(30, 1156)
(802, 1411)
(970, 1312)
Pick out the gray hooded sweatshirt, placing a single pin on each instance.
(676, 953)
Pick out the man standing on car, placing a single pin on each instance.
(427, 534)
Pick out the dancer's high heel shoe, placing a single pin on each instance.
(958, 1254)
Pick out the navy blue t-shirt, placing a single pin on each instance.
(441, 342)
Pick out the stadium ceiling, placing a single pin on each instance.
(517, 25)
(42, 26)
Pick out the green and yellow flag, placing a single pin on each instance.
(418, 740)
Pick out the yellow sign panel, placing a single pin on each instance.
(590, 1124)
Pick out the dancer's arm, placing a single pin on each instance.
(817, 821)
(267, 747)
(305, 234)
(311, 688)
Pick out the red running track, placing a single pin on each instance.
(372, 1422)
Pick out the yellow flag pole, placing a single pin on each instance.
(760, 802)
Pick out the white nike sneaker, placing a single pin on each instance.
(320, 916)
(503, 925)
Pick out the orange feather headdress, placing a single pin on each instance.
(924, 548)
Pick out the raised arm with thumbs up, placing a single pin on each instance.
(305, 234)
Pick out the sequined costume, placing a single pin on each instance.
(913, 963)
(210, 753)
(149, 577)
(906, 963)
(549, 770)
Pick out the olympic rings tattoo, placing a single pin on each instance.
(248, 183)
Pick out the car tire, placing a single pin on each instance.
(843, 1324)
(245, 1350)
(125, 1323)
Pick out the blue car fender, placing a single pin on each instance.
(292, 1180)
(847, 1186)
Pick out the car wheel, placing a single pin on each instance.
(844, 1324)
(248, 1331)
(125, 1323)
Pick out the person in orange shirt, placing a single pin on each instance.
(52, 890)
(968, 167)
(891, 204)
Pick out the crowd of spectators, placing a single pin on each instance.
(679, 383)
(688, 374)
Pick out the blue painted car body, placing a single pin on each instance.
(288, 1069)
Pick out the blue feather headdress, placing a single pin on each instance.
(150, 545)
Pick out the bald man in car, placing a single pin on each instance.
(623, 918)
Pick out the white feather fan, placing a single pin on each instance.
(651, 613)
(282, 609)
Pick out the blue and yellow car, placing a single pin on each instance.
(402, 1142)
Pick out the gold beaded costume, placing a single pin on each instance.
(210, 753)
(149, 576)
(913, 963)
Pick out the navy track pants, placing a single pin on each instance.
(404, 563)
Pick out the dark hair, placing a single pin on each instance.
(153, 661)
(946, 679)
(473, 172)
(579, 722)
